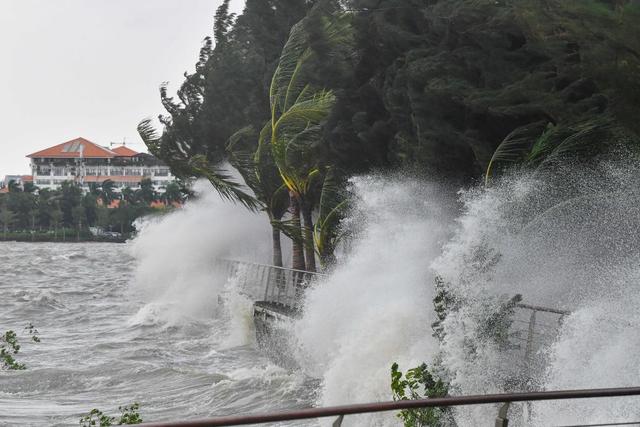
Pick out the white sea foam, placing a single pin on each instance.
(375, 309)
(176, 254)
(568, 240)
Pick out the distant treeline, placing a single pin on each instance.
(29, 213)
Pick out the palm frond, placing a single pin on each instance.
(515, 147)
(149, 136)
(223, 182)
(290, 228)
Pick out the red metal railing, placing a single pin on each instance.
(301, 414)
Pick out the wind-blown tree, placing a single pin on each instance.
(194, 165)
(228, 91)
(252, 157)
(298, 110)
(332, 208)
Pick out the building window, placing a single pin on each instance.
(43, 182)
(59, 172)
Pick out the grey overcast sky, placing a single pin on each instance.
(90, 68)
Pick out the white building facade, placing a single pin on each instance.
(84, 162)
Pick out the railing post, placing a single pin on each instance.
(532, 327)
(267, 284)
(502, 420)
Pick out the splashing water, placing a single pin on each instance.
(375, 308)
(176, 255)
(568, 240)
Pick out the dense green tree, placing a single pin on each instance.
(28, 187)
(70, 197)
(13, 186)
(146, 193)
(172, 193)
(7, 218)
(56, 220)
(79, 217)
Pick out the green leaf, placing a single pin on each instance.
(515, 147)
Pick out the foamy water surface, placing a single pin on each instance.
(106, 343)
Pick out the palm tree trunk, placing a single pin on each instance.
(310, 255)
(277, 248)
(298, 250)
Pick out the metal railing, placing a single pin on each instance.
(282, 287)
(363, 408)
(279, 292)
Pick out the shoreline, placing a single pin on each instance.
(72, 238)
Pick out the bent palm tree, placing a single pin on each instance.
(186, 165)
(332, 207)
(297, 113)
(255, 164)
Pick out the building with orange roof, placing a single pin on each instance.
(84, 162)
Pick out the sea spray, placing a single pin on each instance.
(176, 255)
(564, 240)
(598, 347)
(376, 307)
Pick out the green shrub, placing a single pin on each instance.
(419, 383)
(128, 415)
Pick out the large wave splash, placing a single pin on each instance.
(567, 239)
(375, 308)
(176, 256)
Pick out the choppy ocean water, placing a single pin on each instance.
(104, 345)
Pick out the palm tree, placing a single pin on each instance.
(107, 192)
(196, 165)
(255, 164)
(332, 207)
(297, 113)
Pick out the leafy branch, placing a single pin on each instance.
(128, 415)
(9, 347)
